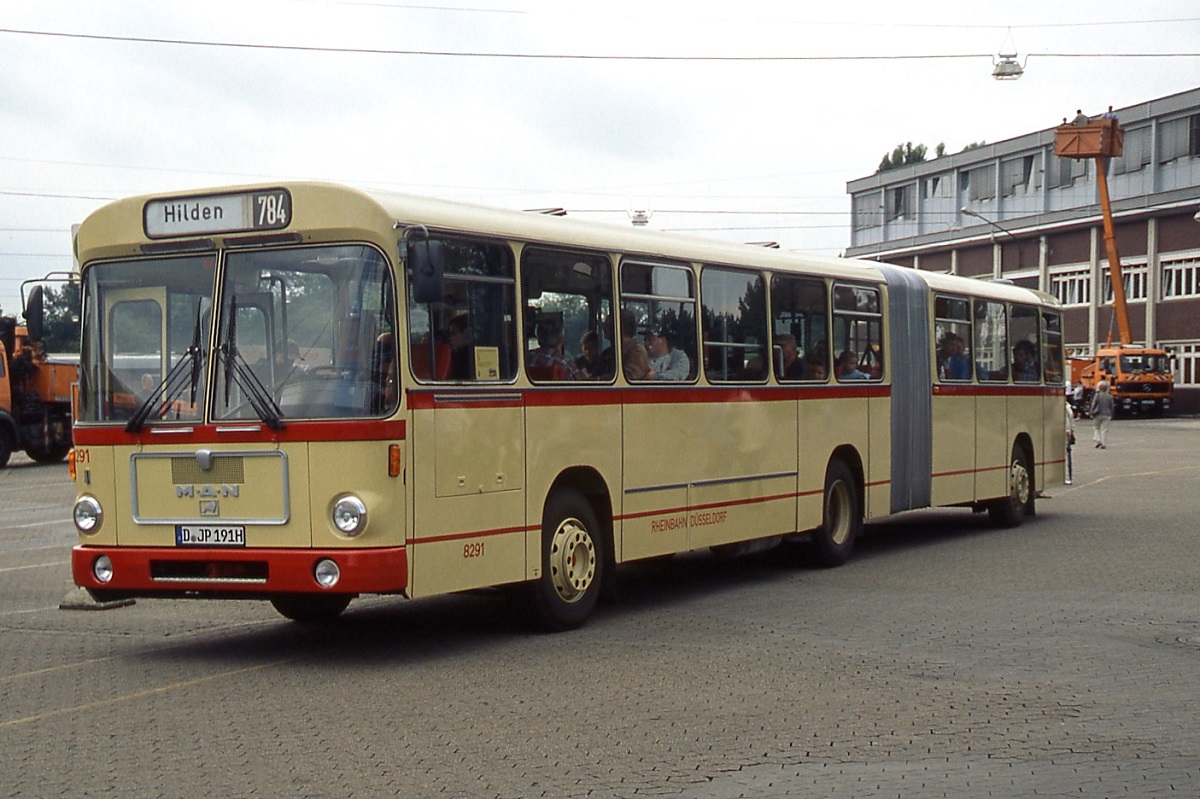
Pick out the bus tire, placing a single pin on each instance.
(6, 446)
(841, 518)
(1011, 510)
(572, 563)
(310, 608)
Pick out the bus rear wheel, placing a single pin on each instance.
(572, 563)
(841, 519)
(1012, 509)
(309, 608)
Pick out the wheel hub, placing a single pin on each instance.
(572, 560)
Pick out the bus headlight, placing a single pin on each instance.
(350, 515)
(102, 568)
(88, 515)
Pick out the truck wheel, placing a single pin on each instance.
(310, 608)
(6, 447)
(572, 563)
(1012, 510)
(52, 455)
(841, 521)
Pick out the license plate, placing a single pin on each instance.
(192, 535)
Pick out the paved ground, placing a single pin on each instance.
(946, 659)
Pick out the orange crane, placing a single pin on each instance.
(1140, 378)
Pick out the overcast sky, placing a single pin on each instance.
(766, 109)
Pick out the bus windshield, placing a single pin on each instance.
(140, 320)
(304, 333)
(300, 333)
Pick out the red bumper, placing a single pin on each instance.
(149, 571)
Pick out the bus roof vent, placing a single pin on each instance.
(547, 211)
(772, 245)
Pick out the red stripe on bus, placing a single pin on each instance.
(437, 539)
(1001, 390)
(244, 432)
(572, 396)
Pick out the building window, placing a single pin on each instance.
(1186, 357)
(1181, 278)
(866, 211)
(1135, 153)
(900, 203)
(1134, 279)
(1073, 287)
(1179, 138)
(979, 183)
(1019, 174)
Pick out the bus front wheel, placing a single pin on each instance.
(572, 563)
(1011, 510)
(841, 519)
(310, 608)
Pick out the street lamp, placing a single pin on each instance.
(968, 212)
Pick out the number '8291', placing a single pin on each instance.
(473, 550)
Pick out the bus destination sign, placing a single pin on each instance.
(270, 209)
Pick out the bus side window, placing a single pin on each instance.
(991, 341)
(469, 334)
(858, 329)
(800, 328)
(734, 310)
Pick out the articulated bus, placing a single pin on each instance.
(304, 392)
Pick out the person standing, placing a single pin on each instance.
(1070, 439)
(1102, 413)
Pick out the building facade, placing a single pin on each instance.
(1013, 210)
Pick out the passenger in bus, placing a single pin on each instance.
(666, 362)
(792, 365)
(847, 367)
(547, 361)
(635, 363)
(953, 363)
(588, 362)
(458, 332)
(1025, 365)
(816, 361)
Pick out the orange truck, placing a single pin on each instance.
(35, 390)
(1139, 379)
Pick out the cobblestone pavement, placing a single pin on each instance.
(948, 658)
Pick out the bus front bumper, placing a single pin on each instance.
(216, 573)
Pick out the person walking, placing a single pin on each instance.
(1102, 413)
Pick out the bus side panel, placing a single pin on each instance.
(741, 461)
(993, 445)
(562, 436)
(1052, 457)
(825, 425)
(665, 446)
(878, 466)
(468, 480)
(1025, 417)
(953, 458)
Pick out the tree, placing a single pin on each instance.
(906, 154)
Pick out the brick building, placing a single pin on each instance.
(1014, 210)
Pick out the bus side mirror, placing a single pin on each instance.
(426, 264)
(35, 314)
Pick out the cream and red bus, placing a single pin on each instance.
(304, 392)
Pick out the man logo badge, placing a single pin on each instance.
(210, 507)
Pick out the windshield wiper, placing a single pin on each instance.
(239, 373)
(170, 386)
